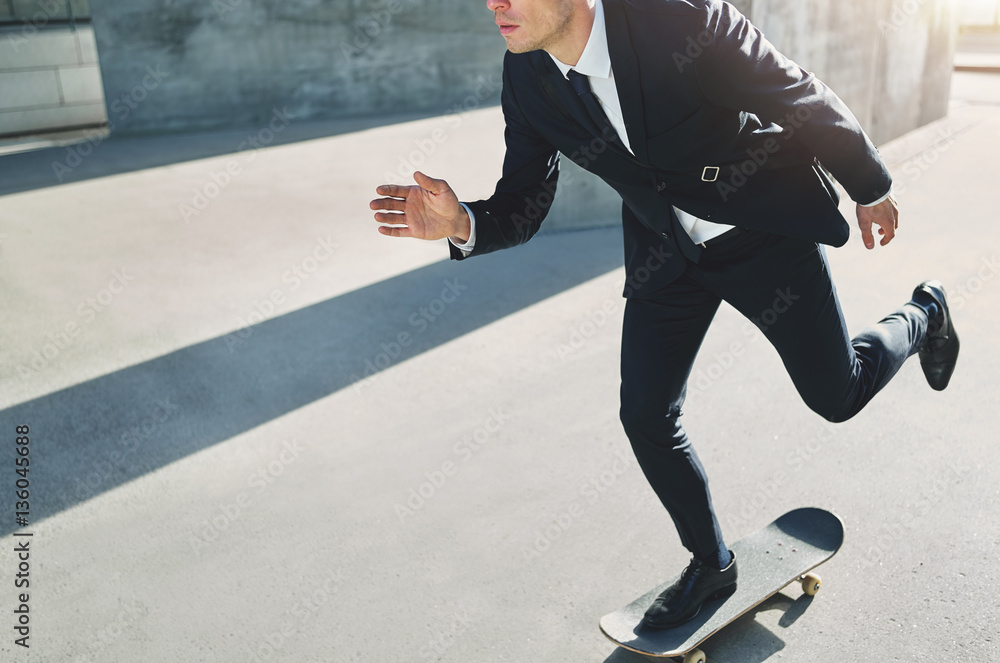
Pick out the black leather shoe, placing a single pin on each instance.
(939, 352)
(682, 601)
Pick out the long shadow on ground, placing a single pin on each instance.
(113, 155)
(94, 436)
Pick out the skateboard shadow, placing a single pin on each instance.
(745, 640)
(796, 609)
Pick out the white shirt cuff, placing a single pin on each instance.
(466, 248)
(882, 199)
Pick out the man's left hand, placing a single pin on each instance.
(885, 215)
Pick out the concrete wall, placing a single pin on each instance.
(915, 66)
(193, 64)
(227, 63)
(890, 60)
(231, 62)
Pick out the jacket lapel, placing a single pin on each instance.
(625, 66)
(559, 87)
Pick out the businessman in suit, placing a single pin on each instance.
(718, 146)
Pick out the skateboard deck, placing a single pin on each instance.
(768, 560)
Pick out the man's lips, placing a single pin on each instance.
(507, 28)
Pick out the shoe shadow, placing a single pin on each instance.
(745, 640)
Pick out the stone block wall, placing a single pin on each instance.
(49, 75)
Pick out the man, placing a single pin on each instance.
(714, 141)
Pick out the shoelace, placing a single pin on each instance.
(935, 339)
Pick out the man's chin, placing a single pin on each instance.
(521, 47)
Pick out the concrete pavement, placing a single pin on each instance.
(260, 431)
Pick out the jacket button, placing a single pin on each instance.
(665, 235)
(660, 186)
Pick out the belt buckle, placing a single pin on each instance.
(710, 174)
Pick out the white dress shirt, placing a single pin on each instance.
(595, 64)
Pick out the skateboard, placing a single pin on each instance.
(768, 560)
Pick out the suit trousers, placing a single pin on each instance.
(784, 286)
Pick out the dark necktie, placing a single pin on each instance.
(581, 84)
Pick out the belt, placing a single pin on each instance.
(718, 239)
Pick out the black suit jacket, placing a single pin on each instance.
(699, 87)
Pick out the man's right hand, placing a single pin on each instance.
(885, 215)
(429, 210)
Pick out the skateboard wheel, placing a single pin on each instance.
(695, 656)
(811, 584)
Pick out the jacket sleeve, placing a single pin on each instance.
(741, 69)
(513, 214)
